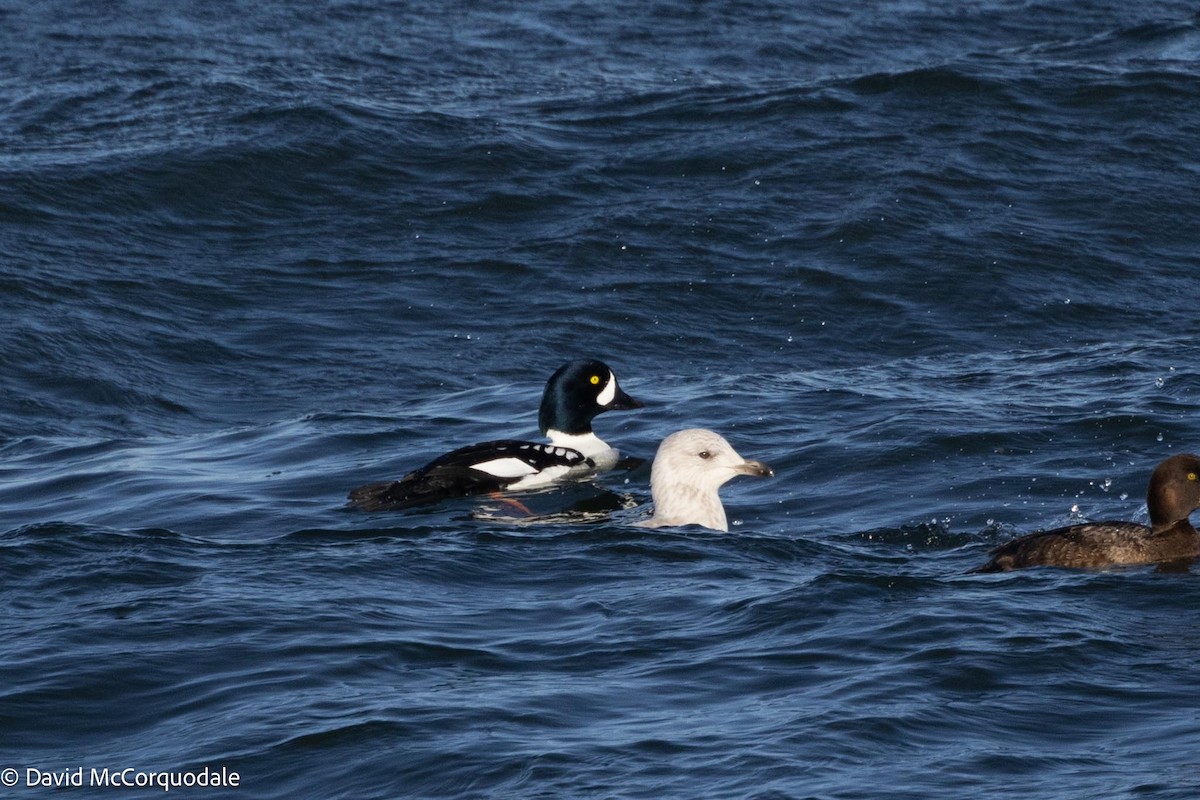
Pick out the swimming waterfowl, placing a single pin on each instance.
(689, 468)
(1173, 494)
(574, 395)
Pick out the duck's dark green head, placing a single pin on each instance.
(576, 393)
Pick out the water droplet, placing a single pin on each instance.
(1158, 438)
(1158, 382)
(1107, 484)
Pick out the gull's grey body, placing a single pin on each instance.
(689, 468)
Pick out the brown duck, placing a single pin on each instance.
(1173, 494)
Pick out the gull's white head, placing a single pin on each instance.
(689, 468)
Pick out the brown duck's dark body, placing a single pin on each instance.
(1097, 544)
(1173, 494)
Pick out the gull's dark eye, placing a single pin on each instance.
(705, 455)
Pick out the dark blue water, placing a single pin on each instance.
(936, 263)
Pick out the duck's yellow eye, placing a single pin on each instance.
(1191, 476)
(595, 379)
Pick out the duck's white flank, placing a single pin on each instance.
(591, 445)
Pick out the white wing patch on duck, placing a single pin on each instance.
(533, 464)
(506, 468)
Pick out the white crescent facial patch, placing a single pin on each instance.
(609, 391)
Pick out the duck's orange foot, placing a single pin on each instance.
(512, 503)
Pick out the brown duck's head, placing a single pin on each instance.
(1174, 490)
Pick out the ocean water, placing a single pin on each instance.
(936, 263)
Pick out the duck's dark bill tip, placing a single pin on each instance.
(624, 402)
(758, 469)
